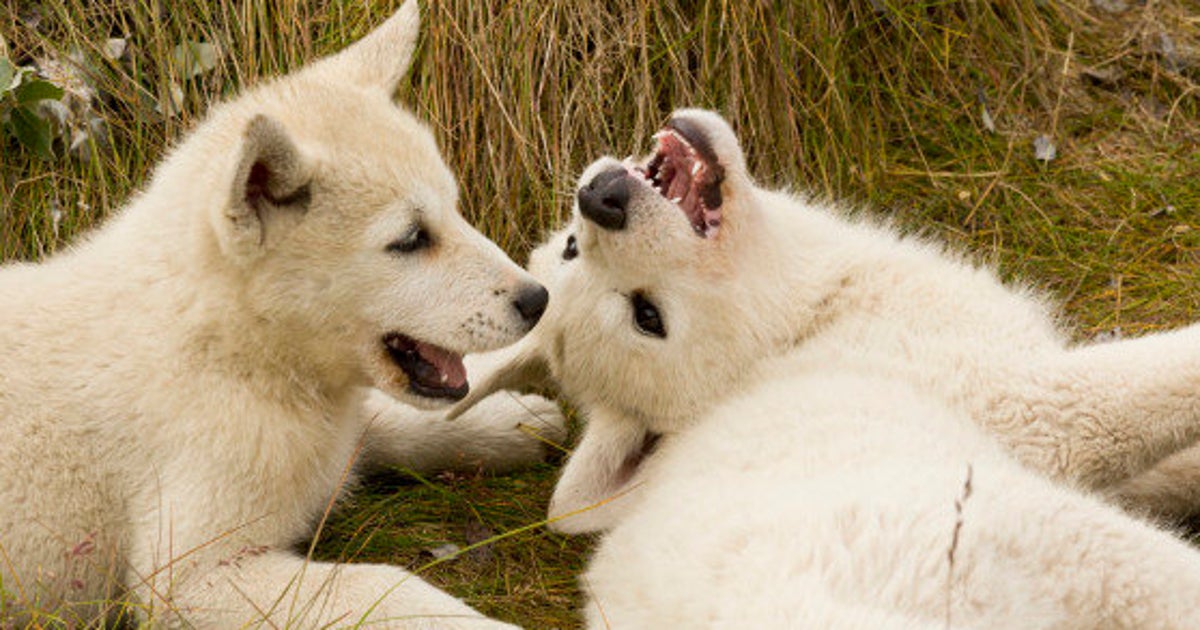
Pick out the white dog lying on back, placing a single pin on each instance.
(792, 419)
(182, 395)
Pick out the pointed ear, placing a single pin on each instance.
(271, 184)
(600, 481)
(381, 58)
(520, 367)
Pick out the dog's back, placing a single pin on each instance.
(851, 501)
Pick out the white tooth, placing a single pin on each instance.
(677, 200)
(445, 377)
(696, 168)
(661, 133)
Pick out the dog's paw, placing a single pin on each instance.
(503, 432)
(510, 431)
(518, 429)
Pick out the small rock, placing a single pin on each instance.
(1107, 78)
(1111, 6)
(444, 551)
(1044, 149)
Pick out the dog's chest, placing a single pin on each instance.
(272, 480)
(320, 473)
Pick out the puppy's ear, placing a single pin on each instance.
(381, 58)
(270, 187)
(520, 366)
(600, 481)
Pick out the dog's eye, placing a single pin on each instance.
(417, 238)
(572, 248)
(646, 317)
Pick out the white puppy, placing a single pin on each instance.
(792, 418)
(181, 394)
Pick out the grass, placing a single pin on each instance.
(877, 102)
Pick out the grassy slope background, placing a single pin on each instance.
(924, 111)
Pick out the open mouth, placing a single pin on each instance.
(432, 372)
(685, 171)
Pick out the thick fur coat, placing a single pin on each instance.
(797, 418)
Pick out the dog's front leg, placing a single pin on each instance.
(605, 469)
(263, 587)
(503, 432)
(1169, 490)
(1099, 414)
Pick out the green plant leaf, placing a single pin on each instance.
(31, 131)
(7, 72)
(30, 92)
(194, 58)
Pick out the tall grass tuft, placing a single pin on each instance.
(927, 111)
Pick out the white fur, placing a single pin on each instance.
(835, 403)
(814, 498)
(181, 393)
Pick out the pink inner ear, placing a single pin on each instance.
(263, 186)
(257, 184)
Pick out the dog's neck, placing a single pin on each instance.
(805, 254)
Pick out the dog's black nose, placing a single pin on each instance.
(531, 302)
(604, 200)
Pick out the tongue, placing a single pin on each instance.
(681, 180)
(447, 363)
